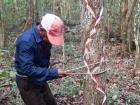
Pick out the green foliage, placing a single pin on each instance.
(4, 73)
(14, 13)
(15, 16)
(70, 49)
(11, 94)
(113, 94)
(67, 87)
(10, 47)
(14, 92)
(132, 98)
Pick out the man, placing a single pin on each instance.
(32, 60)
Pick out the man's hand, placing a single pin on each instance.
(62, 73)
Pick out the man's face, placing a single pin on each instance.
(45, 38)
(43, 34)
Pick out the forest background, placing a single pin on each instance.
(119, 29)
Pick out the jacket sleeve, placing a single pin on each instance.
(27, 66)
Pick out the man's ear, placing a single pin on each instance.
(42, 29)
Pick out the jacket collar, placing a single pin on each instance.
(36, 33)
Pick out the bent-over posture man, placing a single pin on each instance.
(32, 60)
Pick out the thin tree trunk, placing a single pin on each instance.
(36, 11)
(57, 7)
(15, 5)
(65, 8)
(30, 11)
(1, 25)
(137, 42)
(131, 6)
(126, 9)
(124, 24)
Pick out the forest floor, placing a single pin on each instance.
(122, 86)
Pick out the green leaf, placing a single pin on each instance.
(114, 97)
(4, 73)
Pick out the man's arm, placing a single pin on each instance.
(27, 66)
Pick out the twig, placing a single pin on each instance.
(94, 65)
(88, 73)
(5, 85)
(63, 53)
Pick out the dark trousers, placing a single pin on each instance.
(35, 95)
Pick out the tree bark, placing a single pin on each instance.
(1, 25)
(36, 10)
(124, 25)
(30, 14)
(30, 6)
(126, 9)
(130, 34)
(61, 8)
(91, 95)
(137, 42)
(56, 7)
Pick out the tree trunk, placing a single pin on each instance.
(36, 11)
(57, 7)
(91, 95)
(30, 11)
(30, 6)
(126, 9)
(124, 25)
(1, 25)
(131, 5)
(65, 9)
(137, 42)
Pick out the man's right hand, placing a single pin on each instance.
(62, 73)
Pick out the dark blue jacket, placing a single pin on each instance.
(32, 57)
